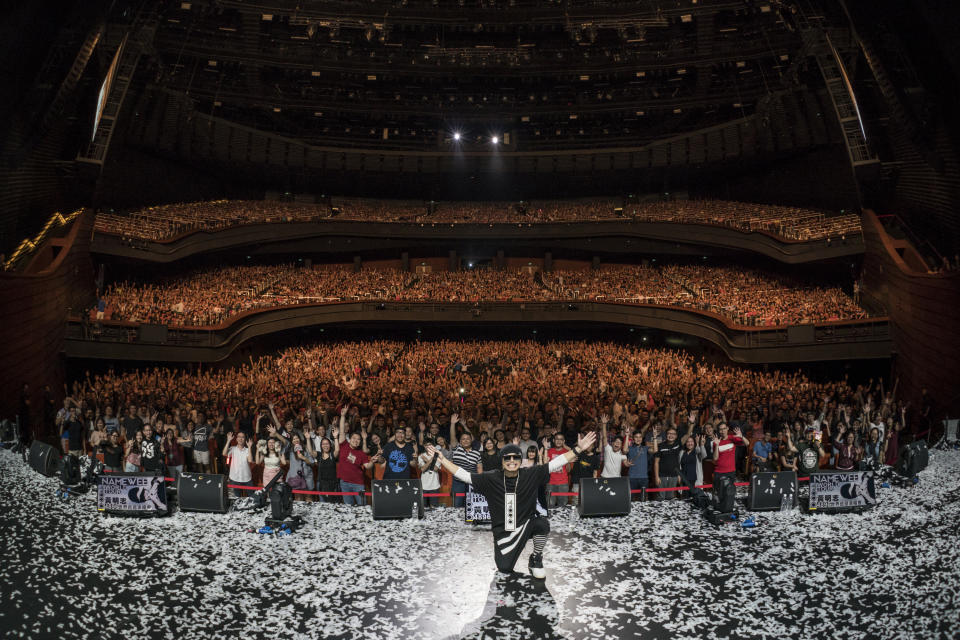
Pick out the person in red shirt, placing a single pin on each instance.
(559, 480)
(351, 463)
(724, 452)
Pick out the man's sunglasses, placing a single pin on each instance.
(513, 456)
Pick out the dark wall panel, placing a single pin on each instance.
(923, 311)
(34, 309)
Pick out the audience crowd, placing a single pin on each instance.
(212, 296)
(168, 221)
(338, 414)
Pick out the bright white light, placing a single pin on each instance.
(462, 389)
(470, 264)
(495, 140)
(456, 135)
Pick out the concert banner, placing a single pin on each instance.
(477, 511)
(133, 493)
(842, 490)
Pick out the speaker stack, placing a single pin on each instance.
(604, 497)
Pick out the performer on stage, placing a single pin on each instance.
(511, 494)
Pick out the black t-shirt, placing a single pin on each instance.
(74, 429)
(131, 424)
(669, 455)
(584, 467)
(398, 460)
(201, 437)
(808, 458)
(150, 454)
(111, 455)
(527, 487)
(490, 461)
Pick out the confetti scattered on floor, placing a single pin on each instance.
(67, 571)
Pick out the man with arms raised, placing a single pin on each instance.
(511, 493)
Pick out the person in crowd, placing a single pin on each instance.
(525, 441)
(300, 456)
(638, 465)
(131, 461)
(98, 435)
(848, 453)
(72, 433)
(131, 423)
(429, 466)
(532, 457)
(490, 454)
(587, 465)
(110, 420)
(763, 455)
(399, 456)
(691, 460)
(151, 451)
(327, 470)
(202, 433)
(465, 457)
(112, 453)
(559, 480)
(172, 453)
(666, 464)
(613, 455)
(351, 463)
(724, 452)
(240, 457)
(511, 494)
(873, 450)
(270, 455)
(787, 453)
(809, 452)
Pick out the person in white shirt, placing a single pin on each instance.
(241, 456)
(613, 455)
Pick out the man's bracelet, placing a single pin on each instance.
(576, 452)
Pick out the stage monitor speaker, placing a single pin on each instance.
(768, 490)
(913, 459)
(44, 458)
(202, 492)
(604, 497)
(391, 499)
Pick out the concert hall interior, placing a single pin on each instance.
(480, 319)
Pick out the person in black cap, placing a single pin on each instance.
(511, 494)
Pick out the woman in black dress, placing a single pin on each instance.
(327, 470)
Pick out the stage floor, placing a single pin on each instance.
(66, 571)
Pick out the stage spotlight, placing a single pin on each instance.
(495, 140)
(456, 136)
